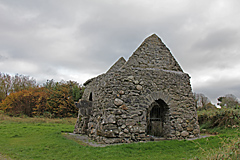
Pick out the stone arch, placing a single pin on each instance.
(158, 114)
(154, 96)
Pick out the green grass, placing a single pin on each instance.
(29, 138)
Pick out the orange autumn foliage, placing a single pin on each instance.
(30, 102)
(40, 102)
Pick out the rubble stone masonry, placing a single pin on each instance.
(147, 97)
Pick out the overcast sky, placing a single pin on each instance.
(80, 39)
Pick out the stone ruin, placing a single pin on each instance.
(148, 97)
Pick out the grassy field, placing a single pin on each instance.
(41, 138)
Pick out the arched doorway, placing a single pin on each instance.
(156, 118)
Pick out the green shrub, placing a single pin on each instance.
(219, 118)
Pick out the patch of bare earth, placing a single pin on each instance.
(4, 157)
(84, 140)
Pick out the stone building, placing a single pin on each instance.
(147, 97)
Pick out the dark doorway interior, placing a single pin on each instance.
(156, 118)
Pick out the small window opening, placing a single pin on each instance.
(90, 97)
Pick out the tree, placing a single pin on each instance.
(75, 90)
(60, 102)
(62, 97)
(21, 82)
(201, 100)
(5, 86)
(228, 101)
(10, 84)
(31, 102)
(54, 99)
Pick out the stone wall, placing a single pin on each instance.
(149, 93)
(153, 53)
(121, 61)
(121, 102)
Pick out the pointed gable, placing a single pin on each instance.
(153, 53)
(121, 61)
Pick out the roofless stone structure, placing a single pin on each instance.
(147, 97)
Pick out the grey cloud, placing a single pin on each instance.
(67, 39)
(3, 57)
(219, 88)
(216, 49)
(218, 39)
